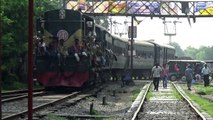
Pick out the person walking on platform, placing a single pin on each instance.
(206, 71)
(189, 76)
(156, 74)
(165, 74)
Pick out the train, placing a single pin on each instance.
(71, 50)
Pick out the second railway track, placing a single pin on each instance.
(149, 105)
(17, 109)
(167, 104)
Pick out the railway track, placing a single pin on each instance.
(165, 105)
(16, 93)
(149, 105)
(15, 110)
(118, 100)
(21, 96)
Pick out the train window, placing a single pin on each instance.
(150, 55)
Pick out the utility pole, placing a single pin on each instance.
(132, 29)
(170, 29)
(30, 59)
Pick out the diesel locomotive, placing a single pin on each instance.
(73, 51)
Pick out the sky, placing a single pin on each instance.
(198, 34)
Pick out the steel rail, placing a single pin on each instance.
(14, 116)
(21, 97)
(20, 91)
(189, 102)
(141, 102)
(57, 101)
(85, 116)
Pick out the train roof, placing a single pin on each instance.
(208, 61)
(139, 42)
(159, 44)
(168, 46)
(187, 61)
(121, 39)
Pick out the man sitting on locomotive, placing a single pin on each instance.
(77, 50)
(42, 47)
(63, 53)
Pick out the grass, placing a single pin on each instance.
(135, 93)
(94, 112)
(54, 117)
(205, 105)
(149, 95)
(176, 94)
(201, 88)
(15, 85)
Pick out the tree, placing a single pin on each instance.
(179, 51)
(203, 53)
(14, 16)
(190, 51)
(44, 5)
(209, 53)
(14, 30)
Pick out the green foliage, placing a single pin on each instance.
(94, 112)
(206, 90)
(203, 53)
(203, 103)
(44, 5)
(54, 117)
(135, 93)
(14, 16)
(14, 31)
(149, 95)
(12, 83)
(176, 94)
(178, 50)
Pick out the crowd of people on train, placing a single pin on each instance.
(79, 49)
(57, 49)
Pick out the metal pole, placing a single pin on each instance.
(30, 59)
(132, 20)
(170, 39)
(0, 67)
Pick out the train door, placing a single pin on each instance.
(165, 55)
(157, 50)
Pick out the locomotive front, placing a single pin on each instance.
(61, 57)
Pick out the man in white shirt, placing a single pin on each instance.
(206, 71)
(156, 72)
